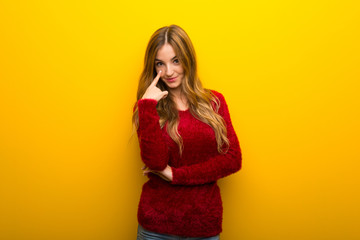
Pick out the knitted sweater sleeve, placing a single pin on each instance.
(215, 167)
(153, 148)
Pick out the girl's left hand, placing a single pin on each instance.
(165, 174)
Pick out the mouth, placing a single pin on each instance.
(171, 79)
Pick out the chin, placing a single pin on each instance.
(173, 86)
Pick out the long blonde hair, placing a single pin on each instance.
(203, 104)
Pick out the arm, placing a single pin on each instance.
(216, 167)
(153, 148)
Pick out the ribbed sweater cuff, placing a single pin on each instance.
(147, 105)
(148, 101)
(179, 176)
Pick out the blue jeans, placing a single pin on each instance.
(143, 234)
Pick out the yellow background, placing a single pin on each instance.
(289, 71)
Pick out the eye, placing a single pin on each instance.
(176, 61)
(157, 64)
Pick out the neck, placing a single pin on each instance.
(179, 97)
(177, 93)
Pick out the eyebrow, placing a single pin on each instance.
(161, 61)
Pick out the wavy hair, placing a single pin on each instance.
(203, 104)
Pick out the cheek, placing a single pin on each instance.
(160, 68)
(180, 70)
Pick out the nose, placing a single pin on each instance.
(169, 71)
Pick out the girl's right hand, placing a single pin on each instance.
(153, 92)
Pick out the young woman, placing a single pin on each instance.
(187, 143)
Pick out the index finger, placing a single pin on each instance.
(156, 79)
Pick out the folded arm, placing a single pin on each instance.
(215, 167)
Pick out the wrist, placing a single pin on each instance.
(147, 98)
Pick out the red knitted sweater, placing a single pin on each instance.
(190, 205)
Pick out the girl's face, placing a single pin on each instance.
(172, 70)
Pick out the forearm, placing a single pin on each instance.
(153, 148)
(217, 166)
(211, 170)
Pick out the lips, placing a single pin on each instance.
(171, 79)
